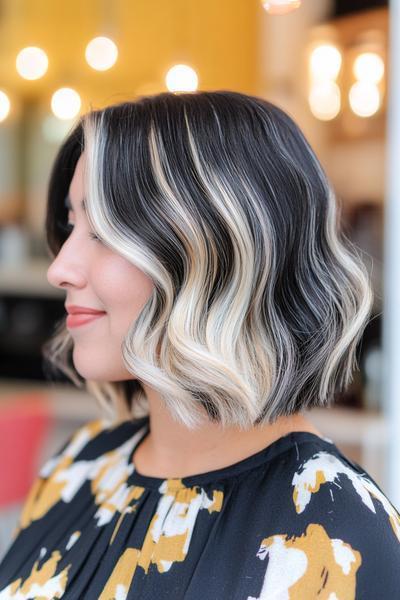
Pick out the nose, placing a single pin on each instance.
(66, 270)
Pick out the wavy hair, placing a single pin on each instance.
(259, 299)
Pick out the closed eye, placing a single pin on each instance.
(68, 227)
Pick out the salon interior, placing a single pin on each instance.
(325, 62)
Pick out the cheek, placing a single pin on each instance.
(122, 290)
(125, 290)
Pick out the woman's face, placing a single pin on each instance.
(94, 276)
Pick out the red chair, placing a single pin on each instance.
(25, 422)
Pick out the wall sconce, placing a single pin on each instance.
(346, 70)
(366, 93)
(324, 95)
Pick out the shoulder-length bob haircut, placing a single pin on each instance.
(259, 299)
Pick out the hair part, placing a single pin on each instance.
(259, 299)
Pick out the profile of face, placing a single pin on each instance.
(96, 277)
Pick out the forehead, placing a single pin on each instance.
(76, 187)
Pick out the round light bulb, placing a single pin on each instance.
(369, 66)
(325, 62)
(32, 62)
(364, 98)
(181, 78)
(4, 106)
(65, 103)
(280, 7)
(101, 53)
(324, 100)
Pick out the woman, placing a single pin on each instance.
(200, 233)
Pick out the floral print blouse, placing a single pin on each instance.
(297, 520)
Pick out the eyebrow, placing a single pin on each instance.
(68, 204)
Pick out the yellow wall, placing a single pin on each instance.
(216, 37)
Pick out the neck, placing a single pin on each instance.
(172, 450)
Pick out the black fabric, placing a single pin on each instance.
(297, 520)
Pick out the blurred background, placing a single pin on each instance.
(325, 62)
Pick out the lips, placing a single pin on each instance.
(81, 315)
(73, 309)
(82, 319)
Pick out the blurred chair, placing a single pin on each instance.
(25, 422)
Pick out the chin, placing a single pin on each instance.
(92, 365)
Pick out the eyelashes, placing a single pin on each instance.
(67, 228)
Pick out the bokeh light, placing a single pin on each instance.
(65, 103)
(364, 98)
(280, 7)
(369, 66)
(181, 78)
(324, 100)
(4, 106)
(32, 62)
(101, 53)
(325, 62)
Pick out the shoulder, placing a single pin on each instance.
(90, 441)
(97, 447)
(323, 477)
(74, 444)
(343, 523)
